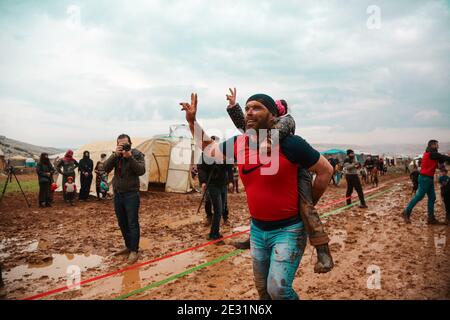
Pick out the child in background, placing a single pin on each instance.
(104, 186)
(70, 188)
(445, 193)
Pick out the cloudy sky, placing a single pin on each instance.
(73, 72)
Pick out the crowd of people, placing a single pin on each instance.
(281, 204)
(67, 168)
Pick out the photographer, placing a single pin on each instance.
(45, 171)
(128, 165)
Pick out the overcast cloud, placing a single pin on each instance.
(72, 72)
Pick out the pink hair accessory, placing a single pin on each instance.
(280, 107)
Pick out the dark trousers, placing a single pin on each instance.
(70, 196)
(446, 197)
(44, 192)
(127, 211)
(209, 206)
(85, 186)
(353, 182)
(236, 185)
(218, 198)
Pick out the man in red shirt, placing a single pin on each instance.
(268, 170)
(430, 161)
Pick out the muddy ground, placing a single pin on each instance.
(38, 245)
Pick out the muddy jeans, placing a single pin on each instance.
(276, 257)
(127, 211)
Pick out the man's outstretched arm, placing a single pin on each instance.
(202, 140)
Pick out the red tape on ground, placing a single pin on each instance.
(62, 289)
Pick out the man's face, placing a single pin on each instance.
(257, 116)
(121, 142)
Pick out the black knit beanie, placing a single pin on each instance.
(267, 101)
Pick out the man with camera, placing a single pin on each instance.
(128, 165)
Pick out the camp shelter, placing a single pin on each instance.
(17, 161)
(2, 161)
(168, 161)
(30, 163)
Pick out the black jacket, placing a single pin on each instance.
(221, 174)
(86, 165)
(126, 171)
(42, 170)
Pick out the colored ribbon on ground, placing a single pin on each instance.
(62, 289)
(227, 256)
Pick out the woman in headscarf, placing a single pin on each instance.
(66, 167)
(86, 168)
(45, 171)
(100, 172)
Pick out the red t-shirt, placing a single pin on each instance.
(429, 165)
(273, 196)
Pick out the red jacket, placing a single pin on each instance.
(430, 162)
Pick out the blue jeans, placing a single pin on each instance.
(276, 257)
(426, 187)
(127, 212)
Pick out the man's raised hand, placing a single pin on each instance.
(232, 97)
(191, 109)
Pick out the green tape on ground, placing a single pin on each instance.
(180, 275)
(229, 255)
(354, 204)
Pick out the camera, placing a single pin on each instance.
(126, 147)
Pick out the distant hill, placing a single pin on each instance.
(12, 147)
(386, 149)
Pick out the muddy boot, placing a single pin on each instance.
(121, 252)
(406, 217)
(324, 262)
(133, 257)
(243, 245)
(433, 221)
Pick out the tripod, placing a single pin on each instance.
(10, 172)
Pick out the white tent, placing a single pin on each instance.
(168, 161)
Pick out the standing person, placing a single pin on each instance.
(278, 237)
(99, 173)
(85, 168)
(215, 179)
(351, 176)
(430, 160)
(66, 167)
(333, 163)
(128, 165)
(45, 171)
(285, 126)
(369, 165)
(70, 189)
(338, 173)
(235, 179)
(414, 176)
(445, 193)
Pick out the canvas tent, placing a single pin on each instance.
(17, 161)
(2, 161)
(168, 162)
